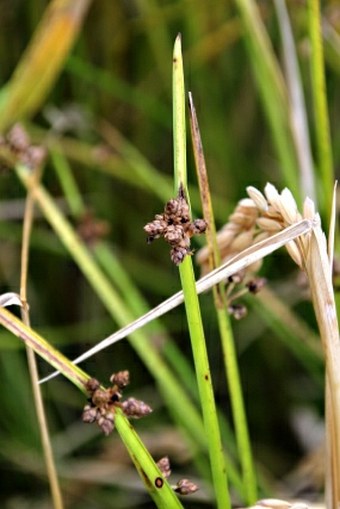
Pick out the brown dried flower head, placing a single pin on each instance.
(135, 408)
(102, 403)
(176, 227)
(21, 149)
(106, 422)
(121, 379)
(164, 466)
(186, 487)
(90, 413)
(238, 311)
(92, 385)
(91, 229)
(255, 285)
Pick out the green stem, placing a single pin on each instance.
(226, 334)
(325, 158)
(237, 403)
(203, 376)
(67, 181)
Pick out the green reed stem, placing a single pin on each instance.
(322, 129)
(226, 333)
(203, 375)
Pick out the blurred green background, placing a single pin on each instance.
(110, 111)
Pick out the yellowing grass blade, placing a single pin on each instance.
(42, 61)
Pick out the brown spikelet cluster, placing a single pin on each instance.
(183, 486)
(103, 402)
(18, 148)
(91, 229)
(238, 286)
(176, 227)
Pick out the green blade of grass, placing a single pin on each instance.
(272, 90)
(192, 308)
(322, 129)
(226, 333)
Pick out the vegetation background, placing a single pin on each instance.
(110, 110)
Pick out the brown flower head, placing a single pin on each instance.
(186, 487)
(20, 148)
(102, 403)
(176, 227)
(164, 466)
(135, 408)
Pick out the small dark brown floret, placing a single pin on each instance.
(101, 397)
(134, 408)
(164, 466)
(92, 385)
(121, 379)
(177, 254)
(238, 311)
(106, 423)
(174, 234)
(90, 414)
(155, 228)
(186, 487)
(198, 227)
(256, 285)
